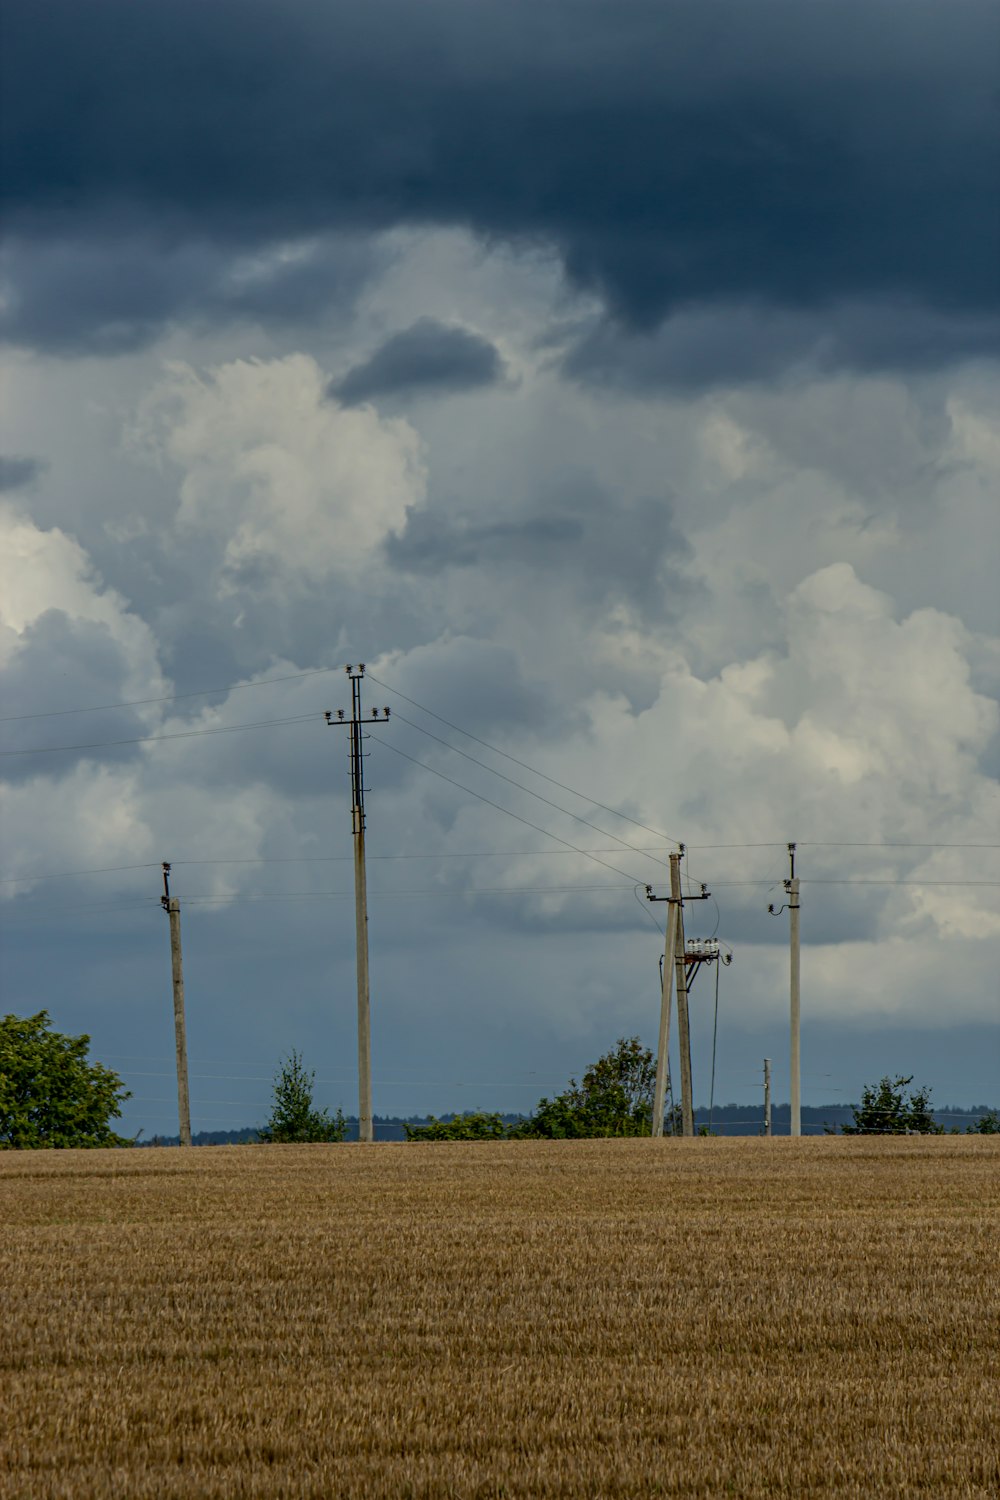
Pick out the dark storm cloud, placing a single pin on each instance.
(786, 153)
(18, 473)
(112, 296)
(722, 345)
(429, 357)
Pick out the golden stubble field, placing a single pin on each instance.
(611, 1318)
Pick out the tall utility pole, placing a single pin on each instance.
(680, 979)
(356, 674)
(767, 1096)
(792, 890)
(172, 907)
(674, 957)
(663, 1043)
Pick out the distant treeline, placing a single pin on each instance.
(726, 1119)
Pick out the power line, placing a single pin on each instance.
(521, 787)
(148, 739)
(524, 764)
(856, 880)
(69, 874)
(205, 898)
(887, 844)
(812, 843)
(231, 687)
(484, 890)
(310, 859)
(863, 880)
(119, 908)
(835, 844)
(500, 808)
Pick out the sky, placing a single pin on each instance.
(617, 381)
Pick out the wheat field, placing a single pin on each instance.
(597, 1318)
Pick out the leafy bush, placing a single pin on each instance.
(467, 1127)
(987, 1124)
(885, 1109)
(50, 1096)
(615, 1097)
(293, 1117)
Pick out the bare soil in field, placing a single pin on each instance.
(525, 1319)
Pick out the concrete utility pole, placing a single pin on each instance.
(792, 890)
(674, 955)
(172, 907)
(365, 1126)
(767, 1096)
(796, 999)
(663, 1044)
(680, 979)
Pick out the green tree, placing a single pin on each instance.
(614, 1097)
(293, 1116)
(467, 1127)
(987, 1124)
(50, 1095)
(886, 1109)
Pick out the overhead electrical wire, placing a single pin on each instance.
(495, 749)
(855, 880)
(500, 808)
(482, 890)
(864, 880)
(521, 787)
(200, 898)
(658, 832)
(231, 687)
(842, 844)
(70, 874)
(309, 859)
(148, 739)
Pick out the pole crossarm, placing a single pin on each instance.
(705, 895)
(335, 719)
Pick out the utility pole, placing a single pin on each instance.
(356, 674)
(795, 994)
(674, 954)
(767, 1096)
(663, 1044)
(172, 907)
(680, 979)
(792, 889)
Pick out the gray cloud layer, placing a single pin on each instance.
(16, 473)
(673, 154)
(113, 295)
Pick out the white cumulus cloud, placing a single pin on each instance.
(282, 479)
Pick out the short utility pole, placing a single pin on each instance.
(767, 1096)
(356, 674)
(172, 907)
(674, 954)
(792, 890)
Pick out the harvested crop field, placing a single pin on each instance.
(606, 1318)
